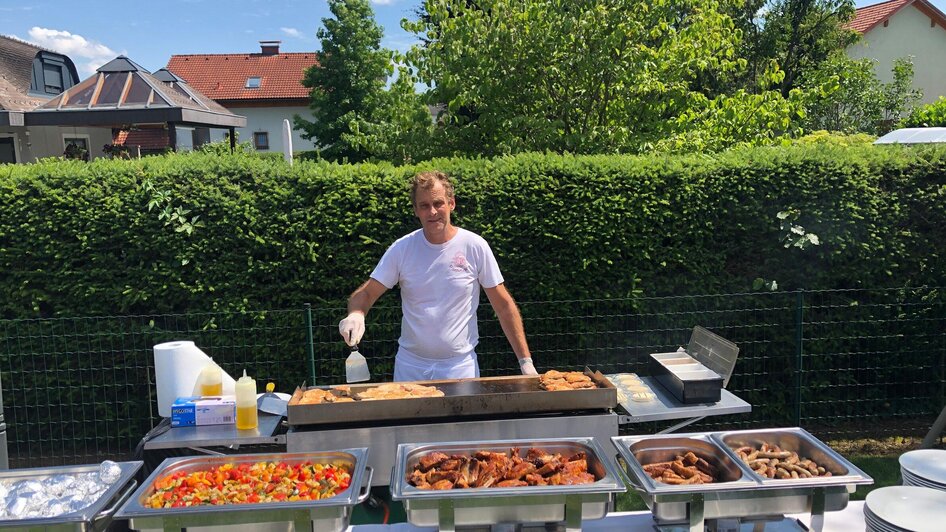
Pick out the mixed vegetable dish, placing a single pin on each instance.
(247, 483)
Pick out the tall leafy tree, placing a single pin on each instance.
(587, 77)
(348, 81)
(799, 35)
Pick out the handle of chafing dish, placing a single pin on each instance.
(366, 486)
(626, 478)
(120, 500)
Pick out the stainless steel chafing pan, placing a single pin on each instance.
(746, 496)
(488, 506)
(328, 514)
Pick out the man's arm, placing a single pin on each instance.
(362, 299)
(511, 321)
(352, 328)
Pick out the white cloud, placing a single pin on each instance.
(382, 2)
(292, 32)
(75, 46)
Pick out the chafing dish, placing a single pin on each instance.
(93, 517)
(487, 506)
(749, 495)
(802, 442)
(328, 514)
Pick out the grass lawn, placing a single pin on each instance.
(885, 470)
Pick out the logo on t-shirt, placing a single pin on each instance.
(459, 263)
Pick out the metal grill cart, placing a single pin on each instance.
(448, 509)
(331, 514)
(493, 408)
(739, 493)
(95, 517)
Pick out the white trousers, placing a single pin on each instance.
(410, 367)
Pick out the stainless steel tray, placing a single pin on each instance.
(92, 517)
(518, 394)
(328, 514)
(750, 496)
(805, 444)
(651, 449)
(488, 506)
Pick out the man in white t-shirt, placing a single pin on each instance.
(440, 268)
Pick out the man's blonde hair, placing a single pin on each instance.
(427, 180)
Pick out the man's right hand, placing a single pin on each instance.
(352, 328)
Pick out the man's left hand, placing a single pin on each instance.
(525, 364)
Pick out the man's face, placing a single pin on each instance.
(432, 207)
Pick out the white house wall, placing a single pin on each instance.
(47, 141)
(908, 34)
(268, 119)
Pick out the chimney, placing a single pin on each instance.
(269, 47)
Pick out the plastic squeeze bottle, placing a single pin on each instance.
(246, 417)
(210, 379)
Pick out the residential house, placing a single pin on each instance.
(904, 28)
(265, 87)
(45, 111)
(29, 77)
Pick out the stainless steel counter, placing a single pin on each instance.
(219, 436)
(666, 407)
(383, 440)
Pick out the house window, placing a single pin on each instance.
(261, 140)
(252, 83)
(7, 149)
(51, 75)
(76, 147)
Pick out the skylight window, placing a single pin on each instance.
(252, 83)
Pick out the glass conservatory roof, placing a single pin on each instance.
(914, 135)
(122, 92)
(122, 84)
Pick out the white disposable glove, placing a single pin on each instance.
(525, 364)
(352, 328)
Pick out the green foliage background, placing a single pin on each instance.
(207, 232)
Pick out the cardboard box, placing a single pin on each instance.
(196, 411)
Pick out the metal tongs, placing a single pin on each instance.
(356, 367)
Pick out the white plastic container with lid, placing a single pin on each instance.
(246, 413)
(210, 380)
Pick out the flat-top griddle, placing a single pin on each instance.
(462, 398)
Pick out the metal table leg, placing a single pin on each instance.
(696, 513)
(817, 502)
(446, 516)
(572, 513)
(681, 425)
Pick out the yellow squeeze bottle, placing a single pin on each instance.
(211, 380)
(246, 417)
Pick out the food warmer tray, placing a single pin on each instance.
(448, 509)
(744, 494)
(331, 514)
(93, 517)
(518, 394)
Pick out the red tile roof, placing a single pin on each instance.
(223, 76)
(148, 139)
(866, 18)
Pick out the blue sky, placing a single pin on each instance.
(93, 32)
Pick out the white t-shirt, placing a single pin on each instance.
(440, 290)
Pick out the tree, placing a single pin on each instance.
(845, 95)
(347, 81)
(798, 34)
(584, 77)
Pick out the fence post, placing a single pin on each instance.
(309, 345)
(799, 350)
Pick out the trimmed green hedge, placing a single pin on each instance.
(120, 237)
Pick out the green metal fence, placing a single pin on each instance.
(842, 363)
